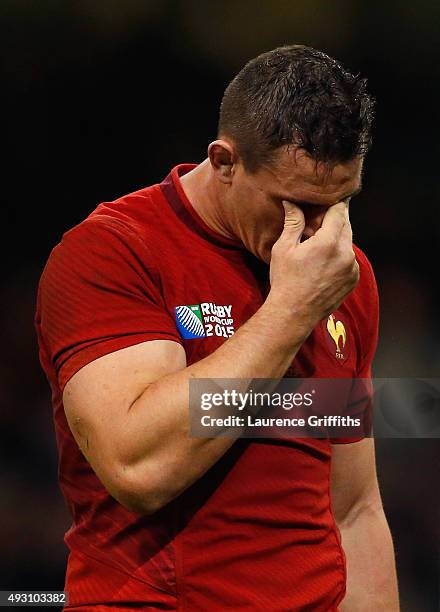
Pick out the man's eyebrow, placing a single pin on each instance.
(303, 203)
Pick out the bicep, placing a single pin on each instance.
(98, 398)
(353, 477)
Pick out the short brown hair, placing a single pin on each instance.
(296, 95)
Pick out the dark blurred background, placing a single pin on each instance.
(102, 98)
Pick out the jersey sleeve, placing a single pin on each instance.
(100, 292)
(361, 397)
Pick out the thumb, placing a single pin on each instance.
(294, 222)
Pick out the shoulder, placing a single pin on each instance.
(366, 289)
(138, 213)
(107, 252)
(366, 269)
(123, 228)
(97, 243)
(131, 217)
(364, 299)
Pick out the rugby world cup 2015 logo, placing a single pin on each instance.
(204, 320)
(189, 321)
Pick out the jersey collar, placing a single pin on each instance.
(173, 191)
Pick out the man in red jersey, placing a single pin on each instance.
(258, 237)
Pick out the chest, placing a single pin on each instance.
(210, 296)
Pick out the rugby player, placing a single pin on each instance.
(242, 266)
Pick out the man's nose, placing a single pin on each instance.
(315, 221)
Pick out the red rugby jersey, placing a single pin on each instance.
(257, 531)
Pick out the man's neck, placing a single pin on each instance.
(207, 197)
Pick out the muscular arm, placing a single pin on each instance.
(366, 538)
(128, 410)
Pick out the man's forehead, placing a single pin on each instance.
(295, 171)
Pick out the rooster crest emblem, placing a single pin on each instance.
(337, 332)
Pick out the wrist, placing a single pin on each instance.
(293, 321)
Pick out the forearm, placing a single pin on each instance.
(159, 439)
(371, 572)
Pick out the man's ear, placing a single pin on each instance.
(223, 158)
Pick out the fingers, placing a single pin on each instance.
(336, 225)
(334, 220)
(294, 222)
(346, 235)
